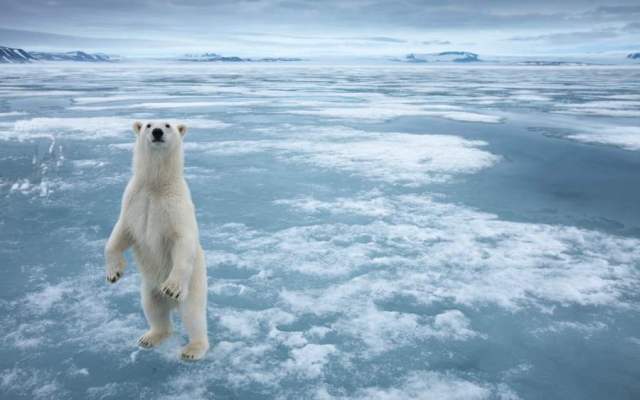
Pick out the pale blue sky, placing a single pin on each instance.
(308, 28)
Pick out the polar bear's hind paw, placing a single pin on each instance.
(152, 339)
(194, 351)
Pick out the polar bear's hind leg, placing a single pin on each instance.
(193, 312)
(195, 322)
(157, 309)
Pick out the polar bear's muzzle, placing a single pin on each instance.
(157, 134)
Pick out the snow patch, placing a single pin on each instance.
(626, 137)
(380, 112)
(398, 158)
(85, 128)
(426, 385)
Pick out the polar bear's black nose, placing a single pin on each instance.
(157, 133)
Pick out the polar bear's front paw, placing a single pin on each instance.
(173, 289)
(115, 271)
(112, 277)
(152, 339)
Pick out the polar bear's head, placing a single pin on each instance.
(159, 135)
(157, 157)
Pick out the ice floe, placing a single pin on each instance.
(84, 128)
(381, 111)
(626, 137)
(401, 158)
(350, 279)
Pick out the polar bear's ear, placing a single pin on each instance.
(182, 129)
(137, 127)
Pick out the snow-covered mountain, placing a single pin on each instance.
(10, 55)
(71, 56)
(209, 57)
(634, 56)
(446, 56)
(213, 57)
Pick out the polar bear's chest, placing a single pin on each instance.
(150, 222)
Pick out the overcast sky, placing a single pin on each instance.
(309, 28)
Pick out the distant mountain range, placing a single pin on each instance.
(72, 56)
(213, 57)
(446, 56)
(10, 55)
(14, 56)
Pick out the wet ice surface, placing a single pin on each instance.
(371, 232)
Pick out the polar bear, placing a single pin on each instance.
(158, 220)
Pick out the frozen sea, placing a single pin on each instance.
(371, 232)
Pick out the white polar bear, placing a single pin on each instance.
(158, 220)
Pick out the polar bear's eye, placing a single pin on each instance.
(166, 125)
(148, 125)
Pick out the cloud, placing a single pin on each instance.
(632, 27)
(436, 42)
(568, 37)
(35, 40)
(617, 11)
(383, 39)
(304, 15)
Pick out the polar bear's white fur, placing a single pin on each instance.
(158, 220)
